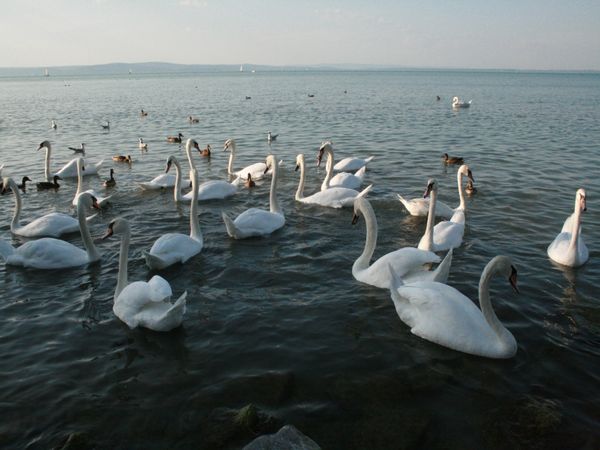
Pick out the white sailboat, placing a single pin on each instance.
(241, 68)
(46, 73)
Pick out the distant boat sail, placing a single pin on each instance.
(46, 73)
(242, 68)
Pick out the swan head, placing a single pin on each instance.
(299, 161)
(118, 226)
(464, 169)
(503, 266)
(454, 99)
(6, 181)
(360, 204)
(325, 147)
(270, 162)
(172, 160)
(191, 143)
(88, 200)
(45, 144)
(580, 199)
(229, 145)
(431, 187)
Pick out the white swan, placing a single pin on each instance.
(335, 197)
(255, 221)
(350, 164)
(568, 247)
(256, 170)
(172, 248)
(212, 189)
(80, 170)
(407, 263)
(457, 103)
(342, 179)
(69, 170)
(446, 234)
(143, 304)
(51, 253)
(419, 206)
(50, 225)
(441, 314)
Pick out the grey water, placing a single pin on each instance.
(279, 322)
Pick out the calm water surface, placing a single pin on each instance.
(280, 322)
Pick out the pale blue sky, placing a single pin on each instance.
(527, 34)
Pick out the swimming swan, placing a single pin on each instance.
(419, 206)
(568, 247)
(172, 248)
(457, 103)
(335, 197)
(167, 180)
(351, 164)
(342, 179)
(407, 263)
(446, 234)
(50, 225)
(257, 170)
(80, 170)
(69, 170)
(441, 314)
(50, 253)
(255, 221)
(141, 303)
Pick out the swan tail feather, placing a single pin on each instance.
(360, 173)
(369, 159)
(443, 269)
(231, 229)
(154, 262)
(365, 191)
(5, 250)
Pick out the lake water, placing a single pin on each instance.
(280, 322)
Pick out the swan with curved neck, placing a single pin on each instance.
(441, 314)
(143, 304)
(80, 171)
(257, 170)
(568, 247)
(50, 225)
(69, 170)
(51, 253)
(420, 206)
(255, 221)
(335, 197)
(342, 179)
(457, 103)
(446, 234)
(407, 263)
(211, 189)
(173, 248)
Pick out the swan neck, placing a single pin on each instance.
(88, 242)
(300, 190)
(14, 224)
(461, 192)
(190, 157)
(79, 179)
(177, 188)
(575, 227)
(47, 164)
(485, 303)
(273, 203)
(329, 170)
(430, 220)
(231, 158)
(195, 232)
(123, 260)
(362, 262)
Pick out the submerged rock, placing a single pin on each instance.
(287, 438)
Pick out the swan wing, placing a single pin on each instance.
(213, 190)
(258, 222)
(256, 171)
(347, 180)
(164, 180)
(351, 164)
(560, 250)
(50, 225)
(335, 197)
(447, 235)
(48, 253)
(172, 248)
(419, 206)
(160, 289)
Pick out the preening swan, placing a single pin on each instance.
(446, 234)
(441, 314)
(50, 225)
(457, 103)
(80, 170)
(69, 170)
(172, 248)
(342, 179)
(335, 197)
(257, 170)
(419, 206)
(568, 247)
(255, 221)
(407, 263)
(143, 304)
(51, 253)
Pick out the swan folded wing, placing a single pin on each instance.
(51, 225)
(346, 180)
(441, 314)
(256, 171)
(568, 225)
(351, 164)
(175, 247)
(162, 316)
(402, 262)
(213, 190)
(440, 274)
(560, 250)
(48, 253)
(160, 289)
(258, 222)
(447, 235)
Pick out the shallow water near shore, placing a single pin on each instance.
(280, 322)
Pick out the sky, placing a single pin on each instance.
(507, 34)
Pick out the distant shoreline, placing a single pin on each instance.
(159, 68)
